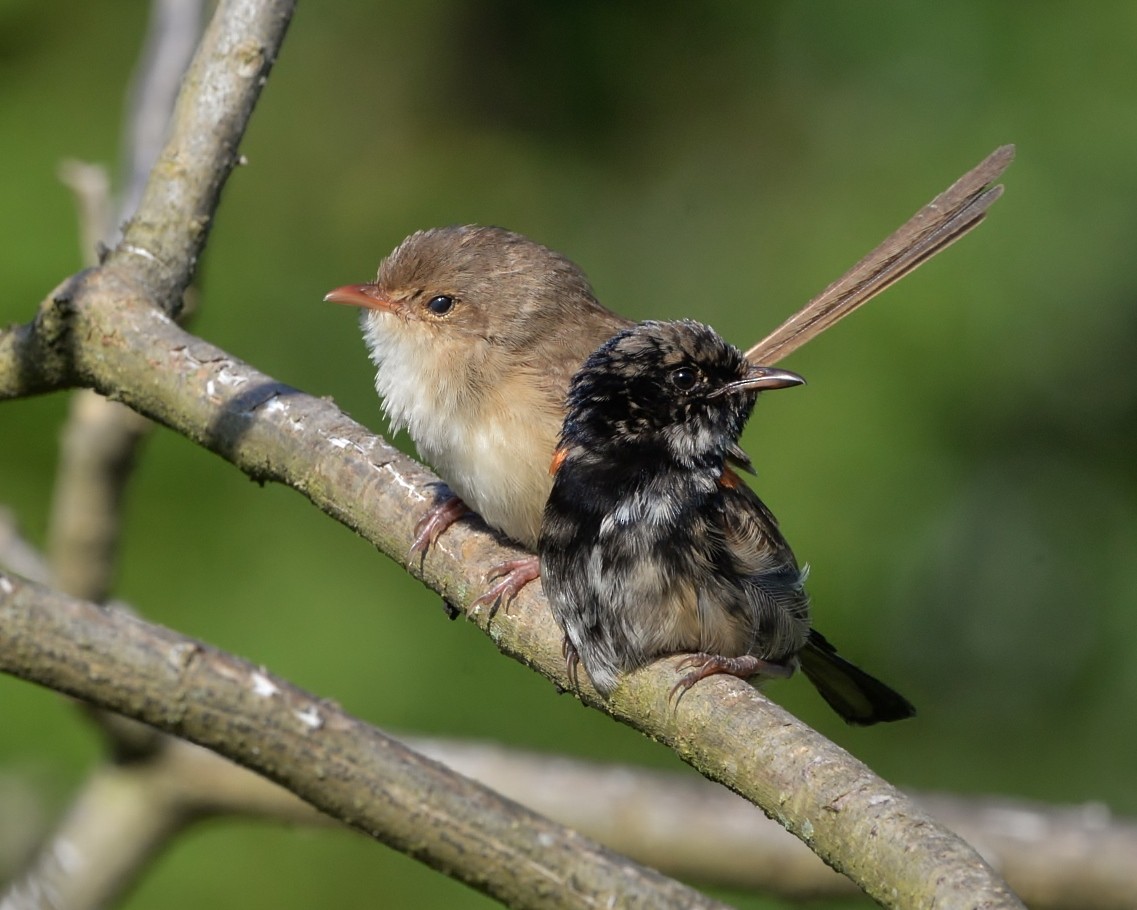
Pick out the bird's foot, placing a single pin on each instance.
(703, 665)
(434, 523)
(513, 575)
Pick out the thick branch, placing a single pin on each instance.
(32, 361)
(1055, 857)
(328, 758)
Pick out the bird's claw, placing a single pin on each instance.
(744, 667)
(436, 521)
(514, 574)
(572, 663)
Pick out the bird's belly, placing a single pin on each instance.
(659, 599)
(500, 469)
(676, 622)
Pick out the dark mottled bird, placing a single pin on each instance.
(651, 545)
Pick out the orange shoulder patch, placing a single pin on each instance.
(559, 457)
(730, 480)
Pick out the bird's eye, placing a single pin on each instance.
(683, 378)
(440, 305)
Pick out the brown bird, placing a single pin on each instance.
(475, 333)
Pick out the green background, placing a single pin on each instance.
(959, 471)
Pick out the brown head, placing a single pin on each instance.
(485, 285)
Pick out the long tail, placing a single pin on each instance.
(859, 698)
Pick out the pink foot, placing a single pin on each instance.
(744, 667)
(438, 518)
(514, 575)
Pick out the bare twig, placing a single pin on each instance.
(162, 242)
(335, 762)
(97, 452)
(172, 35)
(92, 191)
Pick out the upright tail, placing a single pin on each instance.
(859, 698)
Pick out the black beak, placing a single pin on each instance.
(762, 379)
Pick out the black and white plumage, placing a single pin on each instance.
(651, 545)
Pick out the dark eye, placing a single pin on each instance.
(683, 378)
(440, 305)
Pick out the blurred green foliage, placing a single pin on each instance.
(959, 472)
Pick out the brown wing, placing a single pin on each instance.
(751, 530)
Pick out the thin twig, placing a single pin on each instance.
(92, 191)
(165, 237)
(97, 453)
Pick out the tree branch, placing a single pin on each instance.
(91, 188)
(1055, 857)
(97, 453)
(101, 438)
(328, 758)
(112, 828)
(32, 360)
(171, 38)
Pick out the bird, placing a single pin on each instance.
(475, 332)
(652, 545)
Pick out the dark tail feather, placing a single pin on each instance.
(859, 698)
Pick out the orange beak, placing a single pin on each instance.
(365, 295)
